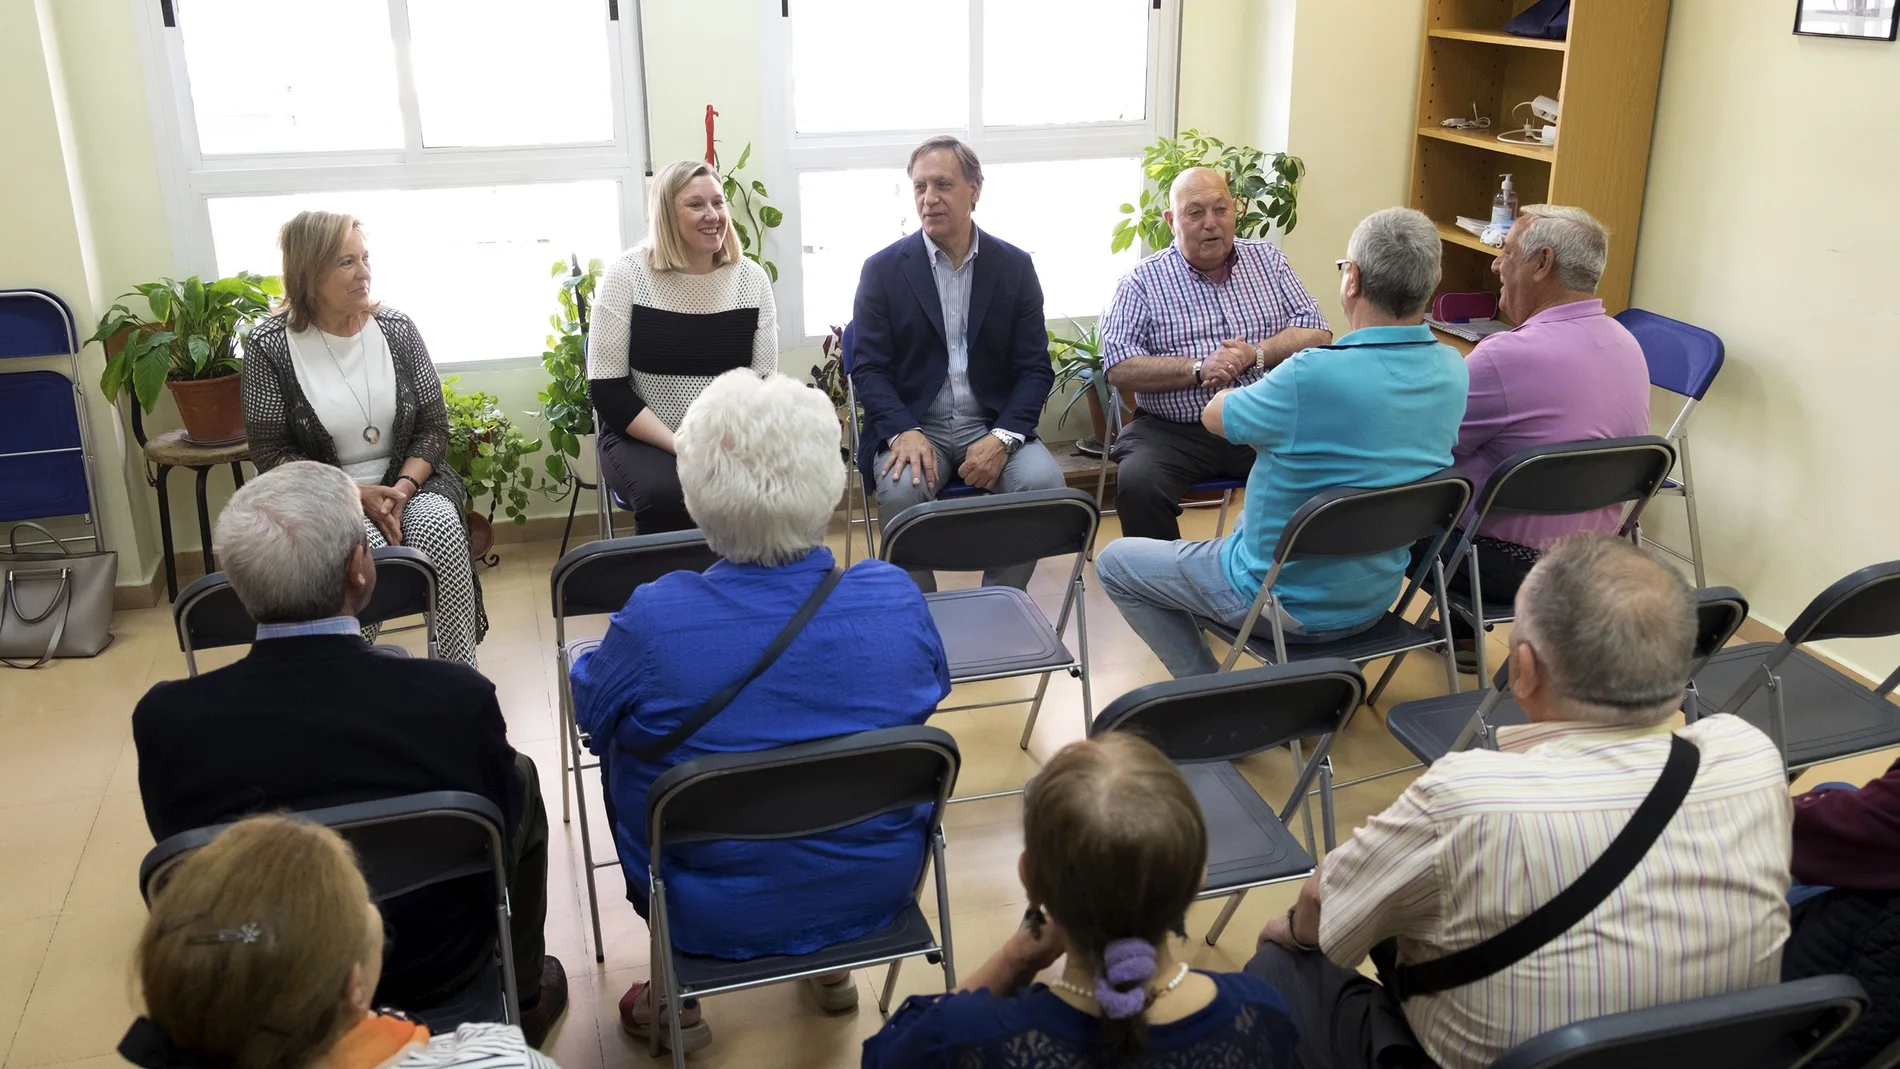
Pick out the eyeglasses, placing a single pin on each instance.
(1341, 264)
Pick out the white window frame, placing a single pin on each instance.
(788, 153)
(189, 179)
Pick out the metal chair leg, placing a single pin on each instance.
(1306, 809)
(165, 531)
(1326, 803)
(1220, 522)
(1035, 709)
(890, 988)
(1226, 914)
(1688, 504)
(587, 847)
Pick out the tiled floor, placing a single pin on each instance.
(72, 834)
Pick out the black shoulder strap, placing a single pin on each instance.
(655, 750)
(1571, 905)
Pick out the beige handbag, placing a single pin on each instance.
(53, 604)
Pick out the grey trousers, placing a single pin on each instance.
(1346, 1021)
(1032, 468)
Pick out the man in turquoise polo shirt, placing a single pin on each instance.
(1379, 407)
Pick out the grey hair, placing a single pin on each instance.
(1580, 243)
(966, 157)
(1398, 254)
(285, 541)
(760, 467)
(1613, 629)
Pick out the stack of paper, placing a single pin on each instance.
(1469, 329)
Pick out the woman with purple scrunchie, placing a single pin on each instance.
(1114, 850)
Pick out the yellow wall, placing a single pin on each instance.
(1768, 220)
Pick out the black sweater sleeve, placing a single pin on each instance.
(616, 400)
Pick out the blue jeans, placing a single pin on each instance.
(1162, 587)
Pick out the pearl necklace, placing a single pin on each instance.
(1077, 989)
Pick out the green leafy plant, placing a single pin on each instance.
(487, 450)
(751, 218)
(829, 376)
(565, 403)
(1078, 360)
(1267, 187)
(194, 331)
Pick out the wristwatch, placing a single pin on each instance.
(1011, 442)
(1198, 361)
(1259, 357)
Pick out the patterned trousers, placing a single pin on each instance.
(432, 524)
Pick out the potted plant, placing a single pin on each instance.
(486, 450)
(191, 344)
(829, 377)
(749, 218)
(1266, 186)
(565, 403)
(1078, 363)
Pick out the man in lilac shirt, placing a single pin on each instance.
(1567, 372)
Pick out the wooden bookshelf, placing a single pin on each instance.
(1604, 78)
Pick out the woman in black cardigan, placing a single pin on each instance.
(336, 377)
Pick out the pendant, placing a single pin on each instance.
(372, 435)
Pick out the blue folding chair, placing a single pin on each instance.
(1683, 360)
(854, 475)
(46, 456)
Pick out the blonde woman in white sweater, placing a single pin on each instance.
(672, 313)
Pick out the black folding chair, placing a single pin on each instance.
(1835, 716)
(208, 614)
(405, 844)
(1433, 727)
(797, 792)
(1776, 1027)
(1347, 522)
(1205, 723)
(996, 632)
(596, 580)
(1555, 480)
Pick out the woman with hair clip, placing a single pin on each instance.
(261, 951)
(1114, 850)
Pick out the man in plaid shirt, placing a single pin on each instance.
(1205, 313)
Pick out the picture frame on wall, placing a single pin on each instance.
(1859, 20)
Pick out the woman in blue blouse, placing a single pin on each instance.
(1113, 851)
(758, 461)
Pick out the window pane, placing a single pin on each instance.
(1097, 73)
(865, 65)
(284, 76)
(1060, 212)
(470, 266)
(487, 74)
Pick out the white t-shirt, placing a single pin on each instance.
(341, 377)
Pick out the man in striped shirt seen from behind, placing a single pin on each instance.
(1599, 657)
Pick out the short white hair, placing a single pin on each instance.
(1579, 242)
(285, 541)
(760, 467)
(1399, 257)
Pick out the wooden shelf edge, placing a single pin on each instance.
(1486, 140)
(1457, 235)
(1499, 37)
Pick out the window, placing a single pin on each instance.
(478, 146)
(1057, 97)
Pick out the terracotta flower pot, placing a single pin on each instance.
(212, 409)
(481, 535)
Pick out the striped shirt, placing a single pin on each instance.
(1164, 307)
(476, 1046)
(1483, 838)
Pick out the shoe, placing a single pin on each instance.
(637, 1020)
(1465, 658)
(835, 996)
(537, 1021)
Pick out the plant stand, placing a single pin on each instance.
(173, 449)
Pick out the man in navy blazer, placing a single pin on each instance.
(950, 353)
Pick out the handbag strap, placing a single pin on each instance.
(653, 751)
(1561, 913)
(13, 537)
(61, 600)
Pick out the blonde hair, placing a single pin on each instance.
(246, 955)
(665, 248)
(310, 243)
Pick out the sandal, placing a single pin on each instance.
(636, 1019)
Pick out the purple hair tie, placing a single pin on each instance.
(1121, 985)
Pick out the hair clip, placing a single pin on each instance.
(249, 933)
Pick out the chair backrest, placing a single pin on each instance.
(599, 577)
(1682, 359)
(1719, 613)
(847, 348)
(802, 790)
(1230, 715)
(1865, 604)
(1572, 477)
(1353, 521)
(403, 844)
(35, 322)
(209, 615)
(972, 534)
(1777, 1026)
(406, 584)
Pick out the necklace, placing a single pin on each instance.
(371, 433)
(1077, 989)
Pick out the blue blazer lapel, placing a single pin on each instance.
(915, 264)
(989, 265)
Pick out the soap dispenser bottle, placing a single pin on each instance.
(1504, 206)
